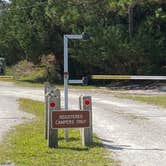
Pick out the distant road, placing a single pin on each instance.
(135, 131)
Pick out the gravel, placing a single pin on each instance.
(134, 131)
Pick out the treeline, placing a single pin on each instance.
(126, 37)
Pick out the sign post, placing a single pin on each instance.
(85, 103)
(53, 105)
(57, 118)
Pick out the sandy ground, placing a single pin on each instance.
(10, 115)
(134, 131)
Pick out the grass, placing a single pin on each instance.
(60, 86)
(27, 83)
(26, 146)
(6, 79)
(156, 100)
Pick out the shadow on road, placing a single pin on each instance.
(107, 144)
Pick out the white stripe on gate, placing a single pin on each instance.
(128, 77)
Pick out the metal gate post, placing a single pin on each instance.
(66, 78)
(46, 90)
(83, 36)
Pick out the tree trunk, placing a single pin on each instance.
(131, 20)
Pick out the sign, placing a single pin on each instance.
(70, 119)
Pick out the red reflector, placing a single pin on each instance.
(87, 102)
(52, 104)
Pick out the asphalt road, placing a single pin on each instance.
(134, 131)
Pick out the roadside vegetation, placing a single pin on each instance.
(126, 36)
(156, 100)
(25, 73)
(26, 146)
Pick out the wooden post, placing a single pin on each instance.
(86, 133)
(81, 108)
(80, 102)
(46, 90)
(53, 104)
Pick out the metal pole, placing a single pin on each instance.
(66, 77)
(66, 73)
(46, 90)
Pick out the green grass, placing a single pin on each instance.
(6, 79)
(25, 83)
(156, 100)
(28, 84)
(60, 86)
(26, 146)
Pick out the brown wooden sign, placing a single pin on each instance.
(70, 119)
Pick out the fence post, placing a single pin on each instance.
(86, 133)
(46, 90)
(53, 105)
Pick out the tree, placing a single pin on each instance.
(34, 28)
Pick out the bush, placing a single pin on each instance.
(27, 71)
(51, 67)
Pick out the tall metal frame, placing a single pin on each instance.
(66, 72)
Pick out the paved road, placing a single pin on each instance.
(136, 132)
